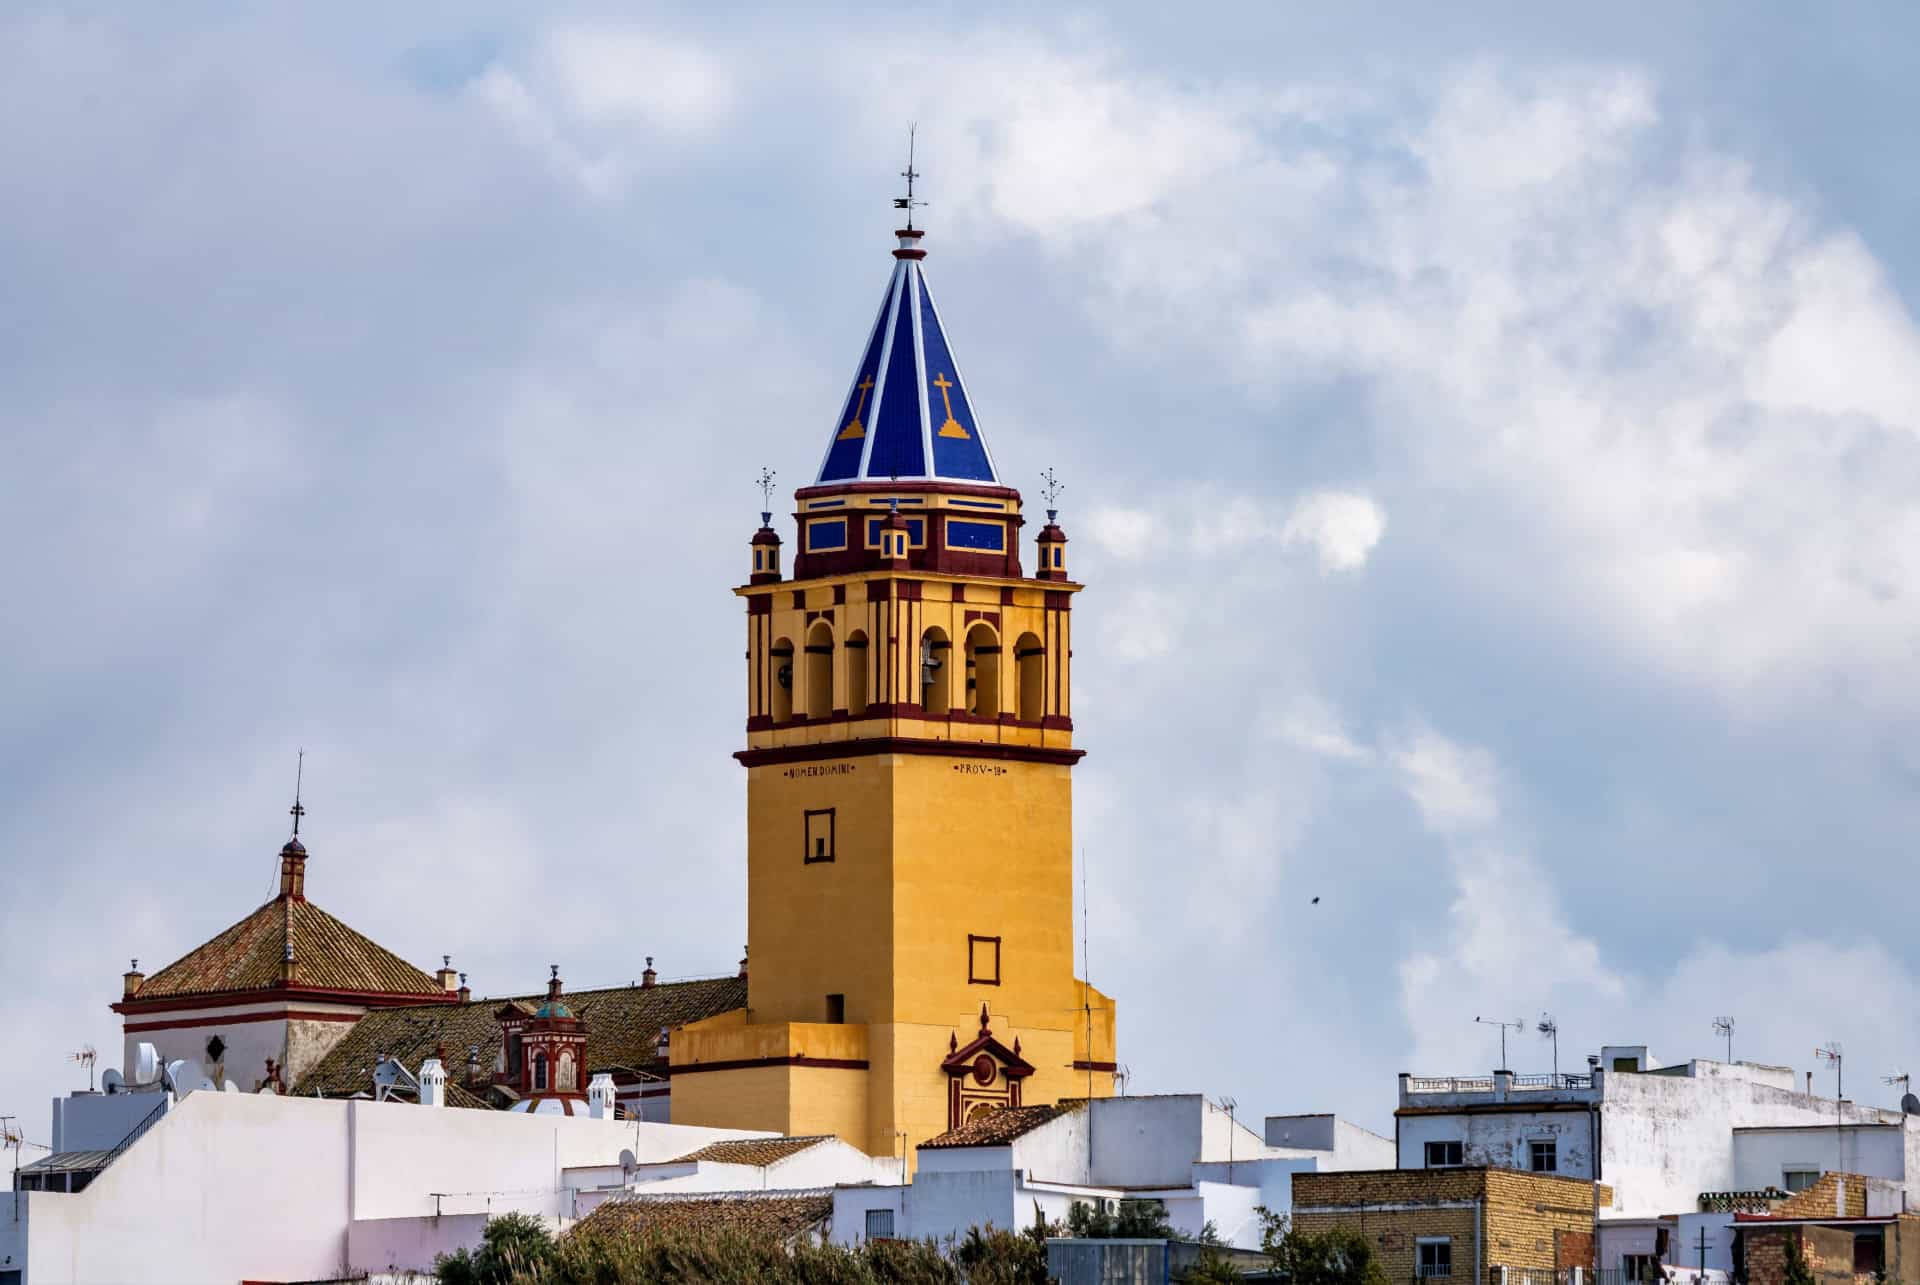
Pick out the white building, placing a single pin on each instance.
(1178, 1150)
(1663, 1135)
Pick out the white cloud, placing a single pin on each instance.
(594, 96)
(610, 74)
(1453, 785)
(1127, 534)
(1340, 526)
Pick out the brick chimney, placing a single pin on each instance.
(464, 993)
(134, 979)
(649, 977)
(743, 961)
(448, 979)
(553, 982)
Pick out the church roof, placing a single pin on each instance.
(623, 1027)
(327, 954)
(907, 415)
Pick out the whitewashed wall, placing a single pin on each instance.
(255, 1187)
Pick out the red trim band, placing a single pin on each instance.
(743, 1064)
(287, 1015)
(906, 745)
(294, 991)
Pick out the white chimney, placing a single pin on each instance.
(600, 1096)
(433, 1083)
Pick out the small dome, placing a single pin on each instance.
(293, 848)
(553, 1008)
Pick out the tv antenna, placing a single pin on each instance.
(907, 202)
(765, 483)
(1909, 1105)
(1723, 1027)
(1551, 1029)
(85, 1057)
(1504, 1028)
(1830, 1052)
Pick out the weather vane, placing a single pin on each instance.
(296, 811)
(907, 202)
(766, 496)
(1051, 488)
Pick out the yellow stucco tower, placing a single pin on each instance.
(909, 768)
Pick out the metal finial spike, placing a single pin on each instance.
(299, 773)
(907, 202)
(765, 483)
(1051, 487)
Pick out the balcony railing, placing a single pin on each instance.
(1487, 1084)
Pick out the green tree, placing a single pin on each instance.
(1131, 1220)
(513, 1247)
(1337, 1256)
(1798, 1270)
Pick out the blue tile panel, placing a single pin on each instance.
(958, 451)
(897, 448)
(850, 431)
(826, 535)
(988, 536)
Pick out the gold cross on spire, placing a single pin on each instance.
(854, 427)
(953, 427)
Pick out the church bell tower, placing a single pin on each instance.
(909, 758)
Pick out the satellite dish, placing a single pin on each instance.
(628, 1163)
(229, 1087)
(110, 1081)
(146, 1064)
(1910, 1104)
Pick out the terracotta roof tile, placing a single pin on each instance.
(623, 1025)
(784, 1214)
(326, 953)
(998, 1128)
(753, 1151)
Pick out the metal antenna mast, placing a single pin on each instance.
(1551, 1029)
(1504, 1028)
(1723, 1027)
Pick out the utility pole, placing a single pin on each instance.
(1703, 1256)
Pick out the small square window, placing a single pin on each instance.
(1799, 1179)
(819, 835)
(1544, 1155)
(983, 960)
(1444, 1155)
(879, 1224)
(1435, 1257)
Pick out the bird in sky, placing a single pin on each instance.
(1316, 901)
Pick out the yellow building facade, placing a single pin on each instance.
(909, 757)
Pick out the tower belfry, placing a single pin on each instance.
(909, 755)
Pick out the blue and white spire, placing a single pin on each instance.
(907, 415)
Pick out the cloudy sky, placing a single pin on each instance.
(1490, 432)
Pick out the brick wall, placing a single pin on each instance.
(1822, 1199)
(1499, 1217)
(1828, 1250)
